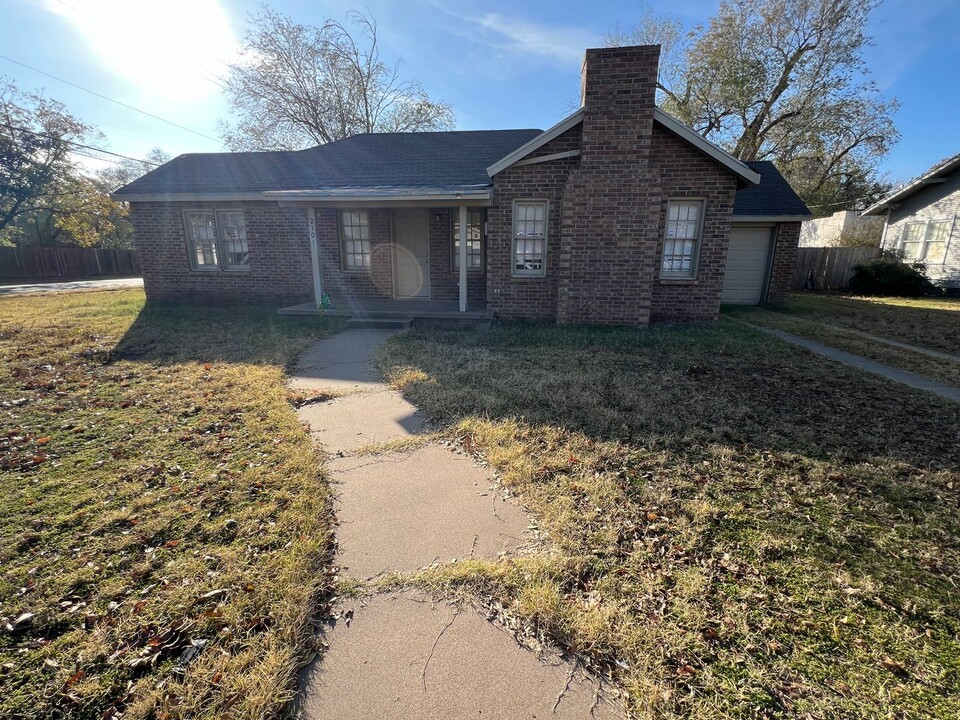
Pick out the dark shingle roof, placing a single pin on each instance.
(772, 197)
(435, 160)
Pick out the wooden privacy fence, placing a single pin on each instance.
(831, 266)
(49, 263)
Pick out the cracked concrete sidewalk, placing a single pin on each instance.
(405, 654)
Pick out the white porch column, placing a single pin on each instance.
(463, 258)
(315, 256)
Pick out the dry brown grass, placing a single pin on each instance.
(159, 494)
(737, 528)
(838, 320)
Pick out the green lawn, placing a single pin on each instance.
(737, 528)
(161, 501)
(835, 320)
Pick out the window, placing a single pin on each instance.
(684, 223)
(233, 239)
(926, 241)
(217, 240)
(475, 237)
(938, 237)
(355, 236)
(202, 240)
(530, 238)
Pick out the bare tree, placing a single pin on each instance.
(781, 80)
(298, 85)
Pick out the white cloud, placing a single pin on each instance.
(164, 49)
(555, 44)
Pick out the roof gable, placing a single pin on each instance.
(931, 176)
(738, 167)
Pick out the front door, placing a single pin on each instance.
(411, 253)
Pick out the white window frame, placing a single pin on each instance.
(344, 267)
(701, 203)
(222, 239)
(219, 241)
(542, 272)
(191, 242)
(925, 240)
(454, 247)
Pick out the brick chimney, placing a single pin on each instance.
(617, 91)
(611, 201)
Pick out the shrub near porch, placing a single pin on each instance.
(165, 521)
(736, 529)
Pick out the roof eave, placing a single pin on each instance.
(455, 195)
(909, 189)
(186, 197)
(771, 218)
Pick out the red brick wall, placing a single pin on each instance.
(532, 298)
(340, 284)
(784, 259)
(280, 269)
(685, 172)
(444, 281)
(611, 202)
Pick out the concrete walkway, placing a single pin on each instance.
(930, 352)
(49, 288)
(871, 366)
(406, 654)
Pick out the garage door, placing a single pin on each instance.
(747, 259)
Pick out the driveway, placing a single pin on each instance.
(48, 288)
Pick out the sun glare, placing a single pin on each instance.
(170, 50)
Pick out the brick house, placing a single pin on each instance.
(921, 221)
(617, 214)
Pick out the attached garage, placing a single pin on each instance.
(763, 240)
(748, 265)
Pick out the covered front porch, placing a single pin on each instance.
(395, 253)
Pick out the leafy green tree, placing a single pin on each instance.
(300, 85)
(35, 143)
(781, 80)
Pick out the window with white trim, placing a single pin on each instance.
(355, 238)
(202, 239)
(926, 241)
(682, 238)
(233, 240)
(475, 238)
(530, 238)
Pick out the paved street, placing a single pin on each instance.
(70, 286)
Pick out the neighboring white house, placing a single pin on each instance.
(827, 231)
(921, 221)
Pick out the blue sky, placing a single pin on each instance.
(499, 63)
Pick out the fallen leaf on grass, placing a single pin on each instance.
(212, 595)
(894, 667)
(22, 619)
(74, 679)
